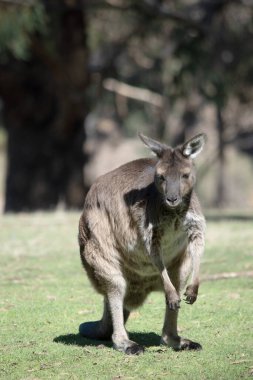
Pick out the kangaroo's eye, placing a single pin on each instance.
(186, 175)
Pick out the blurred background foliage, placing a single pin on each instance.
(79, 79)
(16, 26)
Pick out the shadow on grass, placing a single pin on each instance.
(145, 339)
(79, 340)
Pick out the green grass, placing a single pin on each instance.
(45, 295)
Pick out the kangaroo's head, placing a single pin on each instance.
(175, 173)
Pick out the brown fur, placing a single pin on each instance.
(142, 230)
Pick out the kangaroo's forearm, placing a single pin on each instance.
(196, 250)
(171, 295)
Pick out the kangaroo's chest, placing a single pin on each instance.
(170, 236)
(173, 241)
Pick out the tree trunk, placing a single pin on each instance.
(221, 180)
(44, 110)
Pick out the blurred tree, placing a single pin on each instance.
(43, 83)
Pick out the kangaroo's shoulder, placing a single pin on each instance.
(134, 175)
(140, 167)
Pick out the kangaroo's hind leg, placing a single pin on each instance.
(107, 278)
(121, 341)
(97, 271)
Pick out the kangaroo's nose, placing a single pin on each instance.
(172, 199)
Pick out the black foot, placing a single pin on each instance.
(93, 330)
(135, 349)
(189, 345)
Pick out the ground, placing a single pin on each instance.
(45, 295)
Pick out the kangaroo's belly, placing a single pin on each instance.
(138, 263)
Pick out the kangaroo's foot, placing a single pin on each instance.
(180, 344)
(134, 349)
(127, 346)
(187, 344)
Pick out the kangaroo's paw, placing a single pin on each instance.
(173, 301)
(191, 294)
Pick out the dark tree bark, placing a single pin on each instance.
(221, 179)
(45, 105)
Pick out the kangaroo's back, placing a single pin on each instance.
(134, 175)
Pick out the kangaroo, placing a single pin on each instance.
(142, 230)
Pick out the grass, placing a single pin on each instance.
(45, 295)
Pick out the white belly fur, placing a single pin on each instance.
(138, 259)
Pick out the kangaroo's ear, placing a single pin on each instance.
(156, 147)
(194, 146)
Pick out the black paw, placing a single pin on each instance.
(135, 349)
(191, 294)
(195, 346)
(190, 300)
